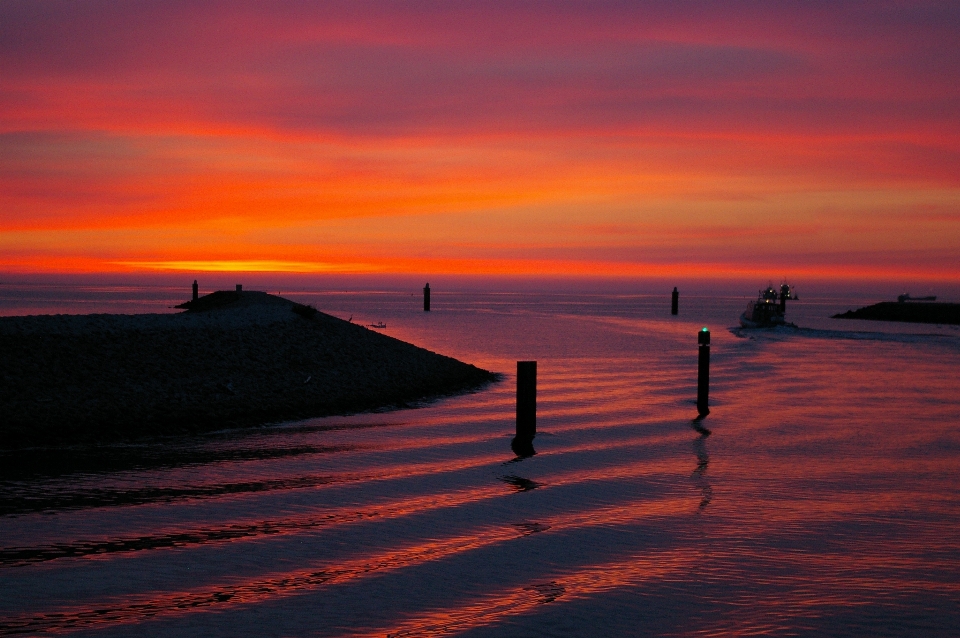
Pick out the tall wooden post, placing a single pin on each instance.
(526, 399)
(675, 302)
(196, 290)
(426, 298)
(703, 372)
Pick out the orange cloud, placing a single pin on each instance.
(593, 137)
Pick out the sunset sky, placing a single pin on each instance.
(562, 138)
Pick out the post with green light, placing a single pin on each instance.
(703, 372)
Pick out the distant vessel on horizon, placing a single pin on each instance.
(769, 310)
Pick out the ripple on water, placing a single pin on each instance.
(824, 501)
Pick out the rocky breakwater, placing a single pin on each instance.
(233, 359)
(910, 312)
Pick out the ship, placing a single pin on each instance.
(769, 310)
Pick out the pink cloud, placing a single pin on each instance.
(554, 103)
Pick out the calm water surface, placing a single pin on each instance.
(825, 501)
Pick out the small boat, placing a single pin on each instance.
(379, 324)
(906, 297)
(769, 308)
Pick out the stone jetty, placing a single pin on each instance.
(911, 312)
(234, 358)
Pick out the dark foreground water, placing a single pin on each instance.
(825, 502)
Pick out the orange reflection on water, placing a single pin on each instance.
(525, 599)
(807, 586)
(165, 604)
(238, 531)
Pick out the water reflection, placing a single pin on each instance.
(700, 473)
(531, 528)
(519, 483)
(322, 518)
(700, 428)
(48, 463)
(547, 592)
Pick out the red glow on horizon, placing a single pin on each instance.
(452, 267)
(601, 140)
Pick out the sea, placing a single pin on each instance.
(819, 497)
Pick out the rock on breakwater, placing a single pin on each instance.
(254, 359)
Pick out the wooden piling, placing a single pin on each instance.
(196, 290)
(703, 372)
(526, 399)
(426, 298)
(675, 302)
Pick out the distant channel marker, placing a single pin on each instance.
(235, 358)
